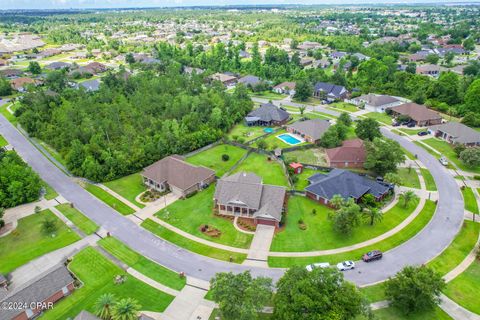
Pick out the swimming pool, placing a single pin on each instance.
(268, 130)
(289, 139)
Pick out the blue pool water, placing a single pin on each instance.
(289, 139)
(268, 130)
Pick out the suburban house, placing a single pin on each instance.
(250, 80)
(345, 183)
(267, 115)
(244, 195)
(225, 79)
(421, 115)
(11, 73)
(337, 55)
(456, 132)
(351, 154)
(310, 130)
(192, 70)
(21, 84)
(90, 85)
(48, 287)
(375, 102)
(329, 92)
(285, 87)
(428, 70)
(58, 65)
(174, 174)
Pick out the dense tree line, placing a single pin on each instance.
(128, 124)
(18, 183)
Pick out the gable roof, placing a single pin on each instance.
(246, 189)
(19, 83)
(331, 90)
(38, 289)
(222, 77)
(416, 112)
(250, 80)
(460, 132)
(91, 85)
(314, 128)
(289, 85)
(176, 172)
(376, 100)
(269, 112)
(344, 183)
(351, 151)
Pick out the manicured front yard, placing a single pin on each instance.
(395, 240)
(411, 132)
(128, 187)
(270, 170)
(28, 241)
(380, 117)
(78, 218)
(447, 150)
(190, 245)
(190, 214)
(469, 200)
(212, 158)
(141, 264)
(320, 234)
(464, 289)
(429, 181)
(97, 275)
(392, 313)
(342, 107)
(3, 142)
(109, 199)
(458, 250)
(408, 178)
(314, 156)
(375, 292)
(268, 95)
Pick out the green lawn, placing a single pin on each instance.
(190, 245)
(268, 95)
(470, 200)
(212, 158)
(128, 187)
(315, 156)
(10, 117)
(78, 218)
(429, 181)
(392, 313)
(190, 214)
(273, 142)
(343, 107)
(143, 265)
(380, 117)
(447, 150)
(246, 132)
(271, 171)
(458, 250)
(375, 292)
(411, 132)
(395, 240)
(464, 289)
(28, 241)
(50, 193)
(320, 234)
(109, 199)
(408, 178)
(3, 142)
(97, 275)
(302, 181)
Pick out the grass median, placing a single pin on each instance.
(78, 218)
(191, 245)
(391, 242)
(429, 181)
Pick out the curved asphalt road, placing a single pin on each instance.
(433, 239)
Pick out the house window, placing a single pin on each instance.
(29, 313)
(65, 290)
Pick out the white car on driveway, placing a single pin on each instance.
(346, 265)
(312, 266)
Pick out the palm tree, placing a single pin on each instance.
(126, 309)
(407, 197)
(373, 214)
(337, 201)
(104, 306)
(302, 109)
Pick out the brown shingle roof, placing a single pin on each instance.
(351, 151)
(416, 112)
(176, 172)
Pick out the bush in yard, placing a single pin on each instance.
(240, 296)
(345, 119)
(470, 156)
(415, 289)
(225, 157)
(458, 148)
(49, 225)
(368, 129)
(261, 144)
(320, 294)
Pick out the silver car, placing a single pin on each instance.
(312, 266)
(346, 265)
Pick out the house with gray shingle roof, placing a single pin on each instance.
(345, 183)
(310, 130)
(244, 195)
(48, 287)
(267, 115)
(456, 132)
(329, 92)
(375, 102)
(250, 81)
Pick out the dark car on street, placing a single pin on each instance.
(372, 256)
(422, 133)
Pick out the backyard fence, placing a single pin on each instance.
(194, 152)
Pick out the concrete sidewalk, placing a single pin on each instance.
(189, 304)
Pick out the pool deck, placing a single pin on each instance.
(293, 136)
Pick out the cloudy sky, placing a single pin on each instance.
(66, 4)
